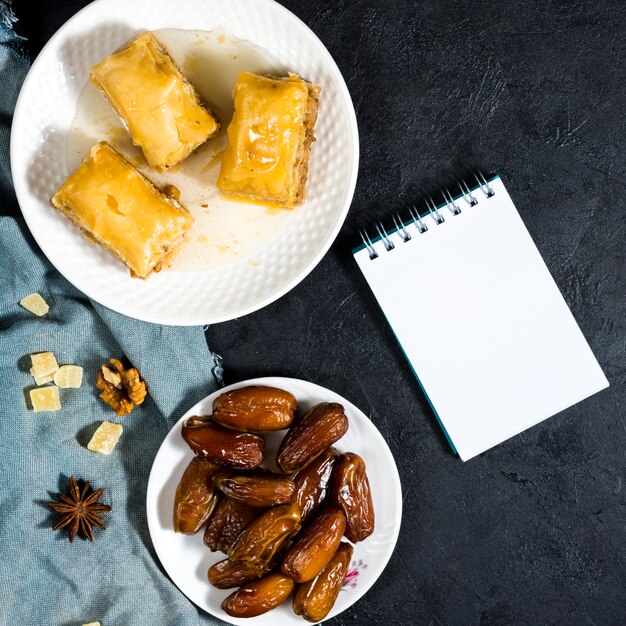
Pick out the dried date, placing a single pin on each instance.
(315, 546)
(227, 574)
(259, 490)
(255, 408)
(228, 520)
(313, 483)
(259, 596)
(314, 599)
(222, 445)
(195, 496)
(264, 536)
(319, 429)
(351, 493)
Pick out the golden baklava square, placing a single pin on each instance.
(269, 140)
(116, 206)
(160, 107)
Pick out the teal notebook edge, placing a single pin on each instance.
(419, 382)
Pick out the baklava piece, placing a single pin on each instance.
(269, 140)
(159, 106)
(123, 211)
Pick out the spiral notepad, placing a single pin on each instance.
(479, 317)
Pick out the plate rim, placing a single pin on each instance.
(277, 381)
(20, 183)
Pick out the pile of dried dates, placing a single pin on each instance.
(282, 531)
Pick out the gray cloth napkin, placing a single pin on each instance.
(44, 579)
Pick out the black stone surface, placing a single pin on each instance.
(533, 531)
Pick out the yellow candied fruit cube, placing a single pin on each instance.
(68, 376)
(92, 624)
(45, 399)
(105, 438)
(41, 380)
(44, 364)
(35, 304)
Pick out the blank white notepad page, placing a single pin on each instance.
(482, 322)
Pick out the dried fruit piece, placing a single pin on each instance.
(105, 438)
(262, 538)
(351, 493)
(41, 380)
(92, 624)
(315, 546)
(315, 598)
(313, 482)
(80, 510)
(221, 445)
(45, 399)
(228, 520)
(258, 596)
(259, 490)
(68, 376)
(227, 574)
(255, 408)
(319, 429)
(43, 364)
(122, 389)
(195, 496)
(34, 303)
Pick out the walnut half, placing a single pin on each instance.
(122, 389)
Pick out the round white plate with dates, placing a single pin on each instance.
(238, 257)
(187, 560)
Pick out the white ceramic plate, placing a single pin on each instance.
(187, 560)
(44, 114)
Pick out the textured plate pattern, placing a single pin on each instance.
(45, 111)
(187, 560)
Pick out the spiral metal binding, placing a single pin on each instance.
(430, 203)
(447, 196)
(402, 228)
(369, 245)
(384, 236)
(417, 219)
(467, 194)
(484, 186)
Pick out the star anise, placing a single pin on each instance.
(79, 510)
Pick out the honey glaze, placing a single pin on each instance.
(225, 231)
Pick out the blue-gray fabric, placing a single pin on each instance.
(44, 579)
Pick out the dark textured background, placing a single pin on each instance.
(531, 532)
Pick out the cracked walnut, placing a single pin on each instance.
(122, 388)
